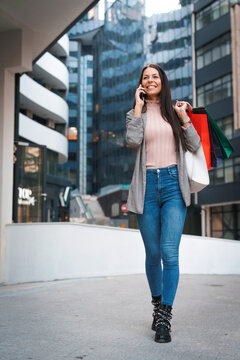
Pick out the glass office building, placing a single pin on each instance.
(40, 176)
(118, 57)
(168, 43)
(79, 133)
(72, 100)
(80, 100)
(214, 32)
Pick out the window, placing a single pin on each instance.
(71, 133)
(211, 13)
(89, 80)
(89, 64)
(73, 68)
(213, 51)
(225, 221)
(89, 97)
(72, 157)
(228, 171)
(236, 168)
(226, 125)
(73, 88)
(72, 98)
(215, 91)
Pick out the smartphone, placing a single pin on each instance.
(142, 96)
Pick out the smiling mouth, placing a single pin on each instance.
(151, 87)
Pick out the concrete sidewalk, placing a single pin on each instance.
(109, 318)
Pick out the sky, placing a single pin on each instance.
(152, 7)
(162, 6)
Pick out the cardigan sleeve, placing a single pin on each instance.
(191, 137)
(135, 129)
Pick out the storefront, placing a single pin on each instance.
(29, 183)
(37, 195)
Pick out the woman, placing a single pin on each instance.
(159, 192)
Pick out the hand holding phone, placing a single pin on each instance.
(139, 100)
(142, 94)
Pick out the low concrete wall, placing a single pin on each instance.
(49, 251)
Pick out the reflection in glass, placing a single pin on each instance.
(31, 160)
(30, 184)
(214, 91)
(225, 221)
(211, 13)
(119, 58)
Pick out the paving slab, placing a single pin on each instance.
(109, 318)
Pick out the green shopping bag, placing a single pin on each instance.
(224, 143)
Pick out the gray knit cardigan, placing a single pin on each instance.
(135, 138)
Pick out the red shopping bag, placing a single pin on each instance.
(198, 117)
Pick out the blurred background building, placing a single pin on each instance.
(215, 37)
(168, 42)
(80, 65)
(118, 57)
(41, 145)
(84, 205)
(81, 146)
(70, 134)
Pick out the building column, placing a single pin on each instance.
(16, 57)
(7, 101)
(203, 221)
(208, 221)
(235, 43)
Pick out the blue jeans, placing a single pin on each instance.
(161, 226)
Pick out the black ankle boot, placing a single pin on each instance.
(163, 326)
(156, 301)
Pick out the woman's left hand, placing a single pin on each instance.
(180, 108)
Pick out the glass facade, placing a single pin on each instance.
(79, 133)
(53, 167)
(226, 125)
(30, 180)
(228, 171)
(55, 174)
(118, 56)
(80, 99)
(85, 125)
(72, 99)
(226, 221)
(214, 91)
(213, 51)
(223, 220)
(168, 42)
(212, 12)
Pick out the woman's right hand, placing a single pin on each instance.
(138, 101)
(140, 90)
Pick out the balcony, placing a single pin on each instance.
(61, 48)
(42, 101)
(48, 69)
(42, 135)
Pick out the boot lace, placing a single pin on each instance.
(156, 305)
(163, 318)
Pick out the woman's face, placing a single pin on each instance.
(151, 82)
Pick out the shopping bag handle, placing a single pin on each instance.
(189, 108)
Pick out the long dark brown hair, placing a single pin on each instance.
(166, 107)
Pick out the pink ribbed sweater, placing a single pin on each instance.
(159, 139)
